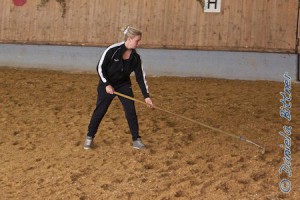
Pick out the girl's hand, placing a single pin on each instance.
(109, 89)
(149, 102)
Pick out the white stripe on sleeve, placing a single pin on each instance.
(99, 68)
(144, 78)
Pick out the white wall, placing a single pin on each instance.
(161, 62)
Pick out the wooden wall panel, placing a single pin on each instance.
(247, 25)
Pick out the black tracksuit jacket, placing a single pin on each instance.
(114, 72)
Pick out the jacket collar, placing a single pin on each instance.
(124, 48)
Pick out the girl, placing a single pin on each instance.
(114, 68)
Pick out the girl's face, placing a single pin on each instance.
(132, 43)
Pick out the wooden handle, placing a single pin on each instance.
(189, 119)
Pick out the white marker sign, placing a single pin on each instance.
(212, 6)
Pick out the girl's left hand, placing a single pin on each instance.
(149, 102)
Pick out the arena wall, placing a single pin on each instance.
(242, 25)
(157, 62)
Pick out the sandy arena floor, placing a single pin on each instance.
(44, 118)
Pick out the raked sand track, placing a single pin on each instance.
(43, 122)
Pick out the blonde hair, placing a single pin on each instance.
(130, 32)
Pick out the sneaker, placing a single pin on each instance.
(88, 143)
(137, 144)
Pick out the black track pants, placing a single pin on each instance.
(104, 100)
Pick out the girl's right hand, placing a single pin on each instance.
(109, 89)
(149, 102)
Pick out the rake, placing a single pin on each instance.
(242, 138)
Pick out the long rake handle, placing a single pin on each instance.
(191, 120)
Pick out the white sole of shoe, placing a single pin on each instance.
(139, 147)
